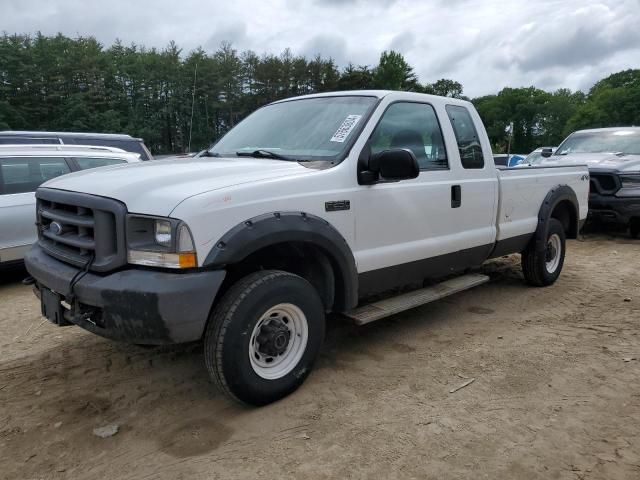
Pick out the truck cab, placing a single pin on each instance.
(311, 206)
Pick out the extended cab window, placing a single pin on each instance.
(466, 136)
(90, 162)
(413, 126)
(25, 174)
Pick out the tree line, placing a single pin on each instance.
(178, 101)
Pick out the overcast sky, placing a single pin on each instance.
(484, 44)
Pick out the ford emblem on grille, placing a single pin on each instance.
(55, 228)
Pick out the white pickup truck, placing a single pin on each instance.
(311, 205)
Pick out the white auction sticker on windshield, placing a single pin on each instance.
(345, 129)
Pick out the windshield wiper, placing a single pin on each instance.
(208, 153)
(262, 153)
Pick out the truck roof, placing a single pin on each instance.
(380, 94)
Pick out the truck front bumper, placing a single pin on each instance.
(133, 305)
(614, 209)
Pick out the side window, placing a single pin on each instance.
(466, 136)
(19, 140)
(414, 126)
(25, 174)
(90, 162)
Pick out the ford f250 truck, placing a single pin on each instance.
(613, 158)
(311, 205)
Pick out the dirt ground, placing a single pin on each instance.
(556, 391)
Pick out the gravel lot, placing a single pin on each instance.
(556, 391)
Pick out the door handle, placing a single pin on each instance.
(456, 196)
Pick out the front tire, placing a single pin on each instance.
(542, 263)
(264, 336)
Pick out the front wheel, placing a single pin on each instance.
(264, 336)
(542, 263)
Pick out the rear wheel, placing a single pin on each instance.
(542, 263)
(264, 336)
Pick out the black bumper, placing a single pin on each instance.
(134, 305)
(610, 208)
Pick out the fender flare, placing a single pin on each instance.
(280, 227)
(556, 195)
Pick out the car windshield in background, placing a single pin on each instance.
(309, 129)
(611, 141)
(533, 157)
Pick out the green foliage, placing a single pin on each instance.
(60, 83)
(445, 88)
(613, 101)
(356, 78)
(394, 73)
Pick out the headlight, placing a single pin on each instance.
(630, 185)
(160, 242)
(163, 232)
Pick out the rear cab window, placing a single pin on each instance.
(26, 174)
(466, 136)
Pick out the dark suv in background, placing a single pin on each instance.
(125, 142)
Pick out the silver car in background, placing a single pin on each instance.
(22, 169)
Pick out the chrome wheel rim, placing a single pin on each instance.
(552, 254)
(278, 341)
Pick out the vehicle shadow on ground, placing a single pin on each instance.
(142, 376)
(12, 274)
(86, 373)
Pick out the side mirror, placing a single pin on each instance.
(546, 152)
(392, 165)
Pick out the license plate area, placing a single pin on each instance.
(51, 305)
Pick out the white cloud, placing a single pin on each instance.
(484, 44)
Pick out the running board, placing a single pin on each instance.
(390, 306)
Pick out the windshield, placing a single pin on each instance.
(307, 129)
(532, 158)
(609, 141)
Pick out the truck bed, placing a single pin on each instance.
(523, 189)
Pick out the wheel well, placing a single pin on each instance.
(300, 258)
(565, 213)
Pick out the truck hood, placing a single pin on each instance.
(157, 187)
(597, 161)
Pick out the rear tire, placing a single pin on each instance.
(263, 336)
(542, 264)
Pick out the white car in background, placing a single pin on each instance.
(23, 168)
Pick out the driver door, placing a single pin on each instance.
(403, 229)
